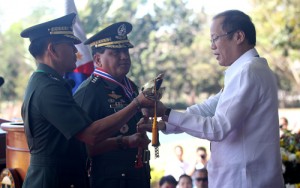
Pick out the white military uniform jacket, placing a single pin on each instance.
(242, 124)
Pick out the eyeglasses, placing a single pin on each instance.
(213, 40)
(202, 179)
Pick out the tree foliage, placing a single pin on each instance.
(170, 38)
(13, 69)
(17, 64)
(278, 28)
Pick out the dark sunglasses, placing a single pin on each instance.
(202, 179)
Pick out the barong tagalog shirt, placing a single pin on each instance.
(242, 124)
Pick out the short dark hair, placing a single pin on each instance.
(169, 179)
(235, 20)
(178, 146)
(201, 148)
(39, 46)
(186, 176)
(285, 120)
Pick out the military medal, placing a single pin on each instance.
(126, 87)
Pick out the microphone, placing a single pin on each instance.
(1, 81)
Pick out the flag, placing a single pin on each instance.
(84, 64)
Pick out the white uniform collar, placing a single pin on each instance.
(235, 66)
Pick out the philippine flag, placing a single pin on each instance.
(84, 62)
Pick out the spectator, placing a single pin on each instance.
(201, 178)
(283, 125)
(167, 182)
(201, 160)
(185, 181)
(177, 166)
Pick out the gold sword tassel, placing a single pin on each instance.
(155, 141)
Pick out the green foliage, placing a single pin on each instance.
(278, 28)
(155, 177)
(92, 16)
(17, 64)
(13, 68)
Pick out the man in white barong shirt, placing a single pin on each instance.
(242, 120)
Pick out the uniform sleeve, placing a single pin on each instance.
(233, 107)
(60, 109)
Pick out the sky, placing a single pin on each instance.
(14, 10)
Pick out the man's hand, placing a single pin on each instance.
(152, 89)
(151, 92)
(160, 110)
(145, 102)
(145, 124)
(137, 140)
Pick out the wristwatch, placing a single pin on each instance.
(167, 114)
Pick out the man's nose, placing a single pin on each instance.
(213, 46)
(124, 55)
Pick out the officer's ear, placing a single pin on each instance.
(51, 49)
(97, 59)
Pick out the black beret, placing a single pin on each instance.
(113, 36)
(60, 27)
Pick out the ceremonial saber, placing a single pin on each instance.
(155, 140)
(153, 91)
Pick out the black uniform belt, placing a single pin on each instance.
(38, 160)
